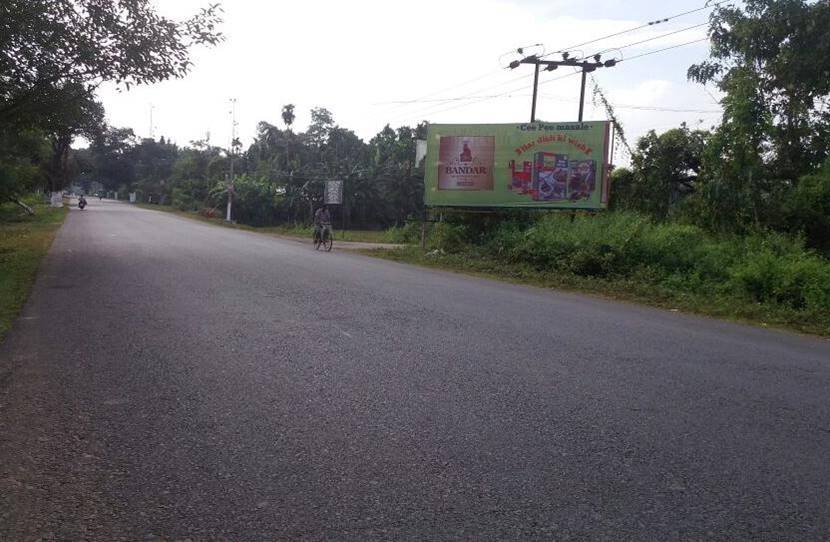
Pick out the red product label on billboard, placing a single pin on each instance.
(466, 162)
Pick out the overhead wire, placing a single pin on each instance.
(629, 59)
(452, 99)
(640, 27)
(653, 38)
(574, 100)
(473, 99)
(634, 106)
(453, 87)
(428, 109)
(405, 103)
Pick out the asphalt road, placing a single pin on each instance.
(177, 380)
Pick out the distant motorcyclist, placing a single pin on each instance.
(81, 202)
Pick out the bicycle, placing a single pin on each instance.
(326, 241)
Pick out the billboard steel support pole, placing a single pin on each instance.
(582, 96)
(535, 91)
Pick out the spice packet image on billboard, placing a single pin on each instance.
(582, 179)
(550, 176)
(520, 179)
(466, 162)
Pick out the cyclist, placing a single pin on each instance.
(322, 223)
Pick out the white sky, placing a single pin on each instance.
(355, 57)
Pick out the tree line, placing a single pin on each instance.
(764, 167)
(53, 56)
(278, 179)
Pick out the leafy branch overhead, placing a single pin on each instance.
(44, 43)
(772, 61)
(53, 55)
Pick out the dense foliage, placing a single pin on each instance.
(278, 179)
(54, 53)
(766, 166)
(758, 276)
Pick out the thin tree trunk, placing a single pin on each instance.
(29, 210)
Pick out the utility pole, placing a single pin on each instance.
(535, 86)
(152, 129)
(232, 154)
(550, 65)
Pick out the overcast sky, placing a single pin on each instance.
(358, 58)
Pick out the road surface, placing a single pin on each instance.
(169, 379)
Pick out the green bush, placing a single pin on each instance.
(408, 233)
(255, 201)
(807, 208)
(592, 245)
(767, 268)
(449, 237)
(778, 269)
(183, 201)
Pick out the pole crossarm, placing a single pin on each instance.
(551, 65)
(585, 66)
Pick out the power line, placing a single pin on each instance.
(453, 87)
(664, 49)
(403, 104)
(553, 97)
(640, 107)
(442, 100)
(651, 39)
(646, 25)
(667, 109)
(428, 110)
(586, 66)
(478, 99)
(474, 101)
(419, 100)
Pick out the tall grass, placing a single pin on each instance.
(770, 269)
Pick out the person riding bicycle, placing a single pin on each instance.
(322, 223)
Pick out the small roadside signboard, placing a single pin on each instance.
(334, 193)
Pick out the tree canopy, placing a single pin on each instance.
(54, 53)
(45, 43)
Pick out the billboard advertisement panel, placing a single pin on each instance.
(560, 165)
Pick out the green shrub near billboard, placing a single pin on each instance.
(542, 164)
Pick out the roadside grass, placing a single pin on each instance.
(299, 232)
(763, 279)
(24, 241)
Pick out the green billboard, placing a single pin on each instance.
(560, 165)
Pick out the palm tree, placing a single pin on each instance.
(288, 116)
